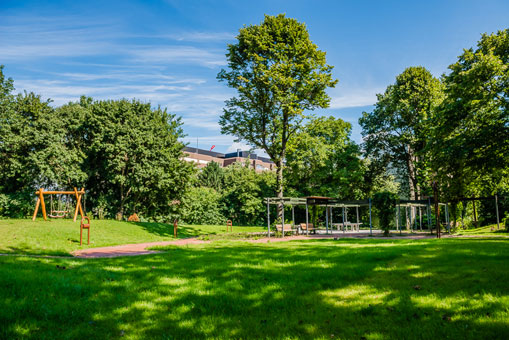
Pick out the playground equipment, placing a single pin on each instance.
(58, 213)
(85, 226)
(229, 224)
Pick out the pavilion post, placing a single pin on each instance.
(307, 219)
(414, 216)
(437, 207)
(268, 218)
(283, 219)
(370, 226)
(397, 217)
(428, 211)
(357, 211)
(496, 209)
(447, 218)
(420, 218)
(293, 215)
(326, 219)
(343, 217)
(331, 222)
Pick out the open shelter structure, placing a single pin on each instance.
(412, 210)
(40, 201)
(329, 204)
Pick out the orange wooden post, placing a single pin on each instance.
(76, 209)
(78, 203)
(85, 226)
(43, 205)
(82, 213)
(175, 227)
(229, 224)
(36, 208)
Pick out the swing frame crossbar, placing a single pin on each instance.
(40, 202)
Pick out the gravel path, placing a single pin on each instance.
(132, 249)
(141, 248)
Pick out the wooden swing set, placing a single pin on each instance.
(58, 213)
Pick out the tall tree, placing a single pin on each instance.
(132, 154)
(211, 176)
(471, 134)
(278, 74)
(323, 160)
(397, 130)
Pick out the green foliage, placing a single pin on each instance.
(322, 160)
(133, 156)
(16, 205)
(278, 73)
(397, 130)
(469, 142)
(202, 205)
(123, 152)
(244, 192)
(211, 176)
(385, 205)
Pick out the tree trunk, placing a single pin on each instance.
(279, 185)
(412, 183)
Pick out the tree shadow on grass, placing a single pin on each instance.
(166, 230)
(312, 289)
(26, 251)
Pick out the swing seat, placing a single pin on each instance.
(58, 213)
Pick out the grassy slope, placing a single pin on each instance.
(490, 230)
(59, 237)
(372, 289)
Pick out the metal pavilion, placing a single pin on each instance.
(327, 202)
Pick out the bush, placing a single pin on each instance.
(201, 206)
(17, 205)
(385, 205)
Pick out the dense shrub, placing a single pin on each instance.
(385, 205)
(202, 205)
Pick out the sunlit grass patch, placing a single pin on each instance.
(323, 289)
(354, 296)
(60, 237)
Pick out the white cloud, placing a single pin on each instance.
(177, 54)
(199, 36)
(354, 98)
(238, 146)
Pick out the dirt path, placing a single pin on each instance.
(141, 248)
(132, 249)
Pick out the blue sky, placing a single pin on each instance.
(169, 52)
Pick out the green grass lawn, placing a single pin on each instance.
(490, 230)
(60, 237)
(321, 289)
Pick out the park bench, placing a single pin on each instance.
(303, 227)
(288, 228)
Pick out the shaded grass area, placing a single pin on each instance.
(490, 230)
(322, 289)
(60, 237)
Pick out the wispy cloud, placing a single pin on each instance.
(354, 98)
(179, 55)
(194, 36)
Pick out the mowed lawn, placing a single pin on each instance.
(62, 236)
(321, 289)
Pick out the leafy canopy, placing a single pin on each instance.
(278, 73)
(397, 130)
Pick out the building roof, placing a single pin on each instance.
(243, 154)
